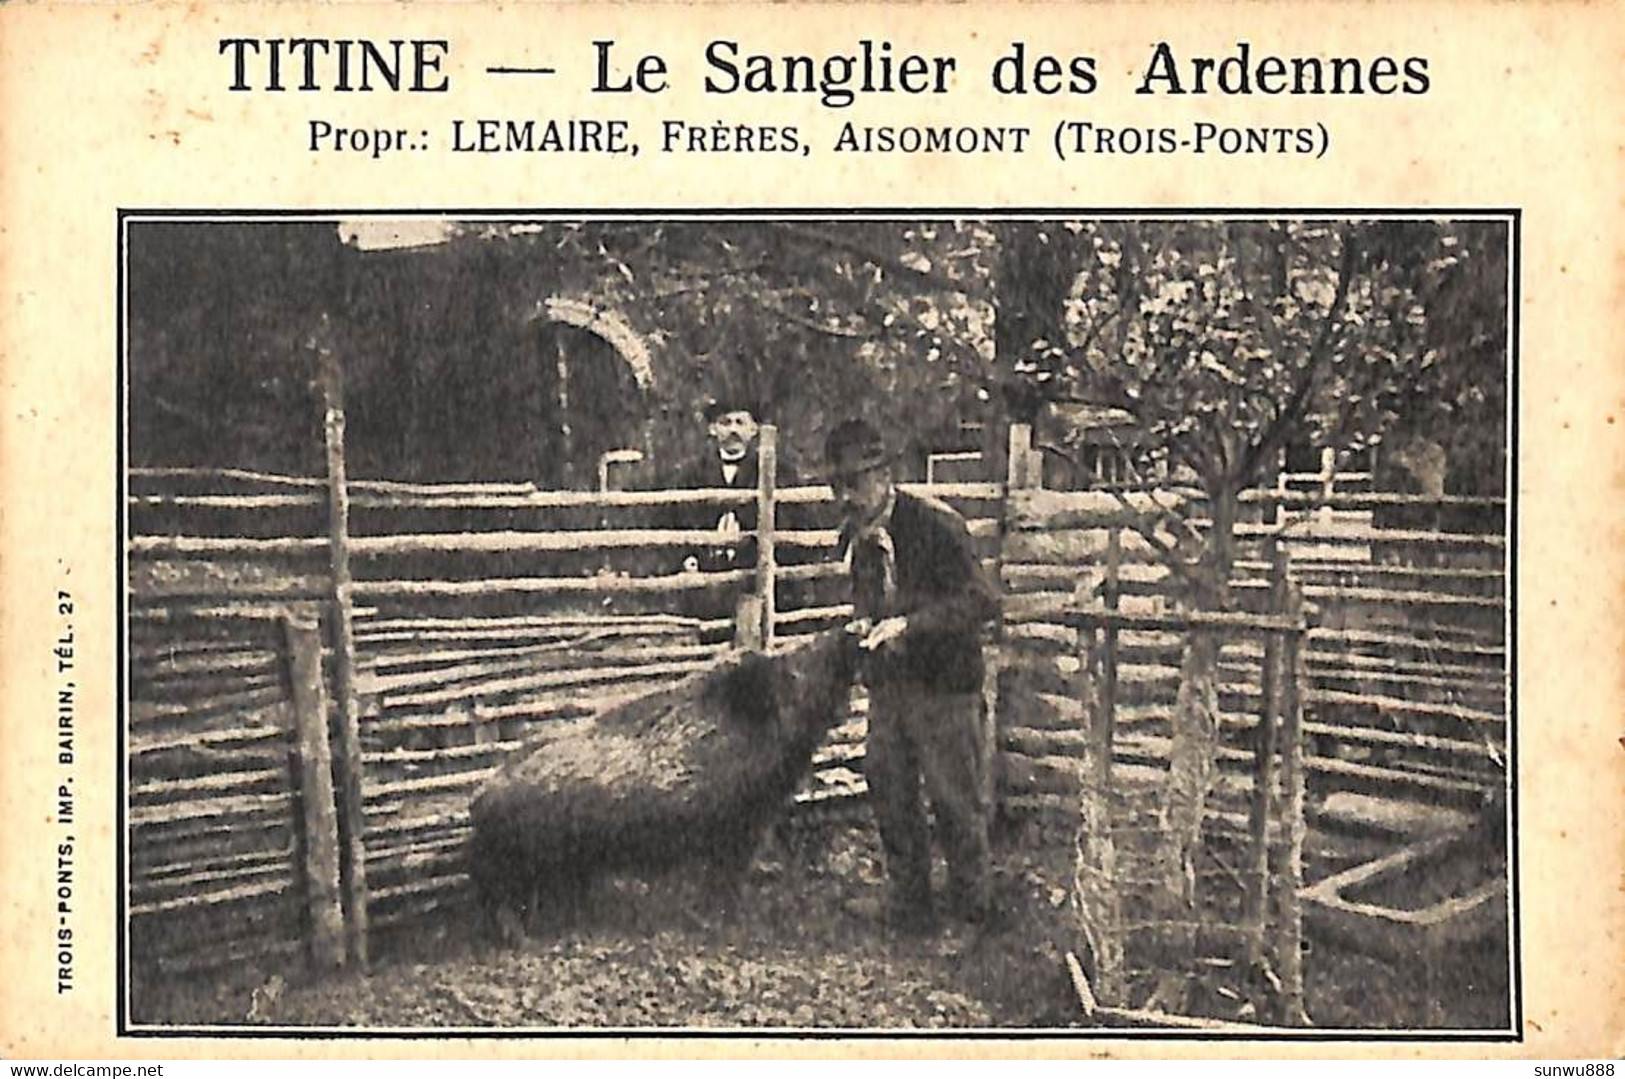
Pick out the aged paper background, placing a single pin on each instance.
(105, 106)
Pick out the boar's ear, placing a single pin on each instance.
(750, 692)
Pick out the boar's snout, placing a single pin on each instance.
(821, 679)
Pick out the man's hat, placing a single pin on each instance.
(722, 403)
(855, 446)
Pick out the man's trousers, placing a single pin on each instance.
(923, 737)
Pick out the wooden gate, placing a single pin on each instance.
(232, 841)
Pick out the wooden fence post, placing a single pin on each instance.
(1328, 482)
(1023, 473)
(1280, 489)
(1099, 901)
(767, 461)
(318, 821)
(748, 623)
(353, 866)
(1019, 475)
(1111, 593)
(1294, 680)
(1256, 901)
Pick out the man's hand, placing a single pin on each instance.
(883, 633)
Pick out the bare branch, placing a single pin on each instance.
(1265, 318)
(1168, 554)
(810, 324)
(723, 274)
(185, 415)
(880, 258)
(1276, 434)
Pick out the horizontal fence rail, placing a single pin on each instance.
(480, 612)
(232, 838)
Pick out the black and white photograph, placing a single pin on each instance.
(971, 622)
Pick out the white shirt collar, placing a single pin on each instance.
(882, 520)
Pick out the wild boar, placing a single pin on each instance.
(693, 773)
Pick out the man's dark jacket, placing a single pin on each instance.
(940, 587)
(706, 473)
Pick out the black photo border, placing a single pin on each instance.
(126, 215)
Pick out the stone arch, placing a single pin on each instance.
(609, 325)
(597, 371)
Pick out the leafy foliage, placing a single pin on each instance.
(451, 375)
(814, 321)
(216, 315)
(1230, 340)
(1226, 339)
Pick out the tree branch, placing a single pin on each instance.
(880, 258)
(1408, 384)
(1167, 553)
(1220, 459)
(1095, 329)
(709, 279)
(810, 324)
(185, 415)
(1264, 318)
(1280, 428)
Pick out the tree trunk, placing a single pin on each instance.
(1194, 752)
(1035, 275)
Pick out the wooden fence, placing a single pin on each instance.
(455, 618)
(462, 616)
(1156, 894)
(1366, 656)
(1406, 658)
(232, 841)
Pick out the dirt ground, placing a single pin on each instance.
(804, 951)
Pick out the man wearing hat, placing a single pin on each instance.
(920, 600)
(731, 463)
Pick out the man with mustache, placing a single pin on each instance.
(731, 463)
(920, 601)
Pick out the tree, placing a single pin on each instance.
(1459, 403)
(1230, 340)
(213, 358)
(447, 370)
(816, 319)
